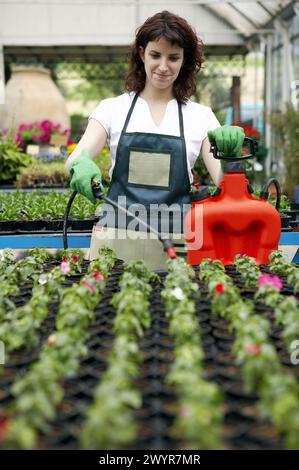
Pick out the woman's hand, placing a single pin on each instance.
(83, 170)
(229, 140)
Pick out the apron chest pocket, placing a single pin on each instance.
(149, 168)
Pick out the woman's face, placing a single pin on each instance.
(162, 63)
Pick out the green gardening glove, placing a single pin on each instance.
(229, 140)
(83, 171)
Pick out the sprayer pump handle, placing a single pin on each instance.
(253, 147)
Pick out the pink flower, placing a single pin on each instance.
(98, 276)
(89, 286)
(253, 349)
(184, 411)
(219, 289)
(65, 267)
(271, 281)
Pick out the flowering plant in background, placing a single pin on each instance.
(39, 133)
(254, 134)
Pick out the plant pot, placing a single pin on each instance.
(236, 391)
(294, 214)
(84, 224)
(31, 225)
(9, 225)
(31, 95)
(55, 225)
(264, 433)
(294, 224)
(223, 335)
(226, 358)
(285, 221)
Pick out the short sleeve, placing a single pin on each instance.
(103, 113)
(211, 123)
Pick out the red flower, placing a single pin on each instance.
(89, 286)
(4, 423)
(219, 289)
(98, 276)
(249, 131)
(65, 259)
(253, 349)
(75, 258)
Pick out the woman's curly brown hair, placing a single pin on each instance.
(177, 31)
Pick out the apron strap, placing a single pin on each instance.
(129, 113)
(181, 121)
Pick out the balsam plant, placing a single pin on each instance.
(260, 365)
(199, 413)
(247, 267)
(22, 271)
(287, 314)
(21, 326)
(110, 422)
(38, 393)
(278, 265)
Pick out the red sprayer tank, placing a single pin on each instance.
(231, 222)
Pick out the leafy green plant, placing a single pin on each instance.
(36, 205)
(42, 174)
(247, 267)
(287, 314)
(279, 265)
(285, 125)
(199, 415)
(110, 421)
(258, 359)
(21, 327)
(38, 392)
(12, 160)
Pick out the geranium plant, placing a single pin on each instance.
(39, 132)
(254, 134)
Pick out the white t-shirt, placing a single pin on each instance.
(198, 120)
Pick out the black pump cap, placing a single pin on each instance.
(200, 193)
(234, 167)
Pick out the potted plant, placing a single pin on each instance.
(12, 160)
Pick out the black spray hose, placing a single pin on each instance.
(265, 191)
(66, 218)
(98, 194)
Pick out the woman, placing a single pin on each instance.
(155, 133)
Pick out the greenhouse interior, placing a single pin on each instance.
(149, 274)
